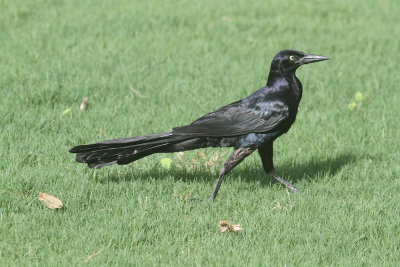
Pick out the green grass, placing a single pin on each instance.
(188, 58)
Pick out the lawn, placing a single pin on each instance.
(147, 66)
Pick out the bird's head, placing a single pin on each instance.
(289, 60)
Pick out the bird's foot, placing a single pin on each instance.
(287, 184)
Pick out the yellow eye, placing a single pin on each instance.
(291, 58)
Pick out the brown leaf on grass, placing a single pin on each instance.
(84, 103)
(91, 256)
(51, 201)
(226, 226)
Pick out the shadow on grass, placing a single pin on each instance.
(307, 170)
(315, 168)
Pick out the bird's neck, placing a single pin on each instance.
(276, 76)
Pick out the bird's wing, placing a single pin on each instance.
(238, 118)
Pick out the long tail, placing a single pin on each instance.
(126, 150)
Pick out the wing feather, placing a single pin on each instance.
(238, 119)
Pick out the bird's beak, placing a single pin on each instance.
(310, 58)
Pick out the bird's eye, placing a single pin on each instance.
(291, 58)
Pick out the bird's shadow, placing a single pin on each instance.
(316, 167)
(294, 173)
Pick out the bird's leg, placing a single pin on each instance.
(237, 156)
(266, 152)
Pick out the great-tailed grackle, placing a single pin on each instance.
(246, 125)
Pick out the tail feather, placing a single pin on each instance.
(121, 142)
(100, 165)
(128, 158)
(126, 150)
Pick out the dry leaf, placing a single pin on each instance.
(226, 226)
(84, 103)
(51, 201)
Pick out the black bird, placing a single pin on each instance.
(246, 125)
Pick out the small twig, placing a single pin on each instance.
(136, 92)
(94, 254)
